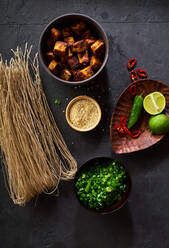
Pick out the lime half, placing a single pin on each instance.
(154, 103)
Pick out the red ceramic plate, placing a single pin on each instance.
(124, 143)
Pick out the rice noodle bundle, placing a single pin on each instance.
(36, 157)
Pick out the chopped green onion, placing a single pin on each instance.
(57, 101)
(101, 185)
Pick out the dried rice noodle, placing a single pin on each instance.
(36, 157)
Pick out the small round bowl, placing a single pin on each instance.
(69, 107)
(119, 204)
(62, 21)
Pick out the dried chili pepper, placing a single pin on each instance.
(133, 89)
(141, 73)
(131, 63)
(133, 76)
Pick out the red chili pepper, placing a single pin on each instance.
(133, 76)
(131, 63)
(136, 134)
(133, 89)
(119, 129)
(123, 121)
(127, 130)
(141, 73)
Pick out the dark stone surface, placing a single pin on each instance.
(135, 29)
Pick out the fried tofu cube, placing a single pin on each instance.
(54, 66)
(90, 41)
(95, 63)
(79, 46)
(78, 27)
(65, 74)
(66, 32)
(69, 40)
(87, 34)
(83, 57)
(50, 55)
(73, 62)
(69, 52)
(50, 43)
(60, 48)
(55, 33)
(83, 74)
(97, 47)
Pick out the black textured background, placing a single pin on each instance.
(135, 28)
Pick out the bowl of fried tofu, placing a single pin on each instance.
(73, 49)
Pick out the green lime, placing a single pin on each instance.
(154, 103)
(159, 124)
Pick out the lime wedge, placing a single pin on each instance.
(154, 103)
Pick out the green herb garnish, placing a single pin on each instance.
(57, 101)
(101, 185)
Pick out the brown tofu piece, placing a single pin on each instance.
(56, 34)
(50, 55)
(97, 47)
(60, 48)
(54, 66)
(95, 63)
(73, 62)
(78, 27)
(79, 46)
(90, 41)
(50, 43)
(83, 74)
(66, 32)
(87, 34)
(83, 58)
(69, 40)
(65, 74)
(69, 52)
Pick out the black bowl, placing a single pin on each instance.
(117, 205)
(61, 22)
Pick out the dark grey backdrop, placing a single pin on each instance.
(135, 28)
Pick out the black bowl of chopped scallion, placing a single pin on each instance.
(102, 185)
